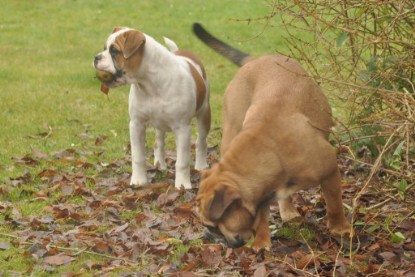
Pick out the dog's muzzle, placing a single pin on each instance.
(106, 77)
(214, 234)
(97, 59)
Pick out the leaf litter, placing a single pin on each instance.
(89, 208)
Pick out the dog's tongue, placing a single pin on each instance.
(104, 88)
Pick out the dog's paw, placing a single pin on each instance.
(161, 164)
(264, 244)
(341, 229)
(182, 179)
(290, 215)
(201, 165)
(136, 182)
(186, 185)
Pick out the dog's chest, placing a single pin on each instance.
(163, 111)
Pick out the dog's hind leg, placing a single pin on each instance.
(183, 137)
(159, 150)
(331, 188)
(203, 127)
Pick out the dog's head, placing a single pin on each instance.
(222, 211)
(121, 57)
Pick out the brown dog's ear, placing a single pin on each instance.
(133, 40)
(118, 28)
(223, 198)
(205, 173)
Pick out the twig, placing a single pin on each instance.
(337, 256)
(267, 19)
(379, 204)
(8, 236)
(49, 133)
(360, 193)
(377, 272)
(405, 174)
(304, 272)
(312, 254)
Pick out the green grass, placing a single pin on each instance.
(46, 72)
(294, 231)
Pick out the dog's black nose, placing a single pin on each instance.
(97, 59)
(237, 242)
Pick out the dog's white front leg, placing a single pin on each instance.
(183, 136)
(159, 150)
(138, 157)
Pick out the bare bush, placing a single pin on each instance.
(363, 54)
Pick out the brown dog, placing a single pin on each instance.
(276, 124)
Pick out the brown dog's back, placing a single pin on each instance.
(284, 84)
(278, 85)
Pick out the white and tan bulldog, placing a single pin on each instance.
(168, 89)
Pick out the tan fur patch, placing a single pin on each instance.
(194, 58)
(200, 87)
(200, 82)
(130, 44)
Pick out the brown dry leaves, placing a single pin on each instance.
(91, 211)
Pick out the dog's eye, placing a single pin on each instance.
(113, 50)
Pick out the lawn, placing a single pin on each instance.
(46, 73)
(66, 208)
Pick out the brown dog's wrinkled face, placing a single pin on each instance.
(121, 56)
(221, 211)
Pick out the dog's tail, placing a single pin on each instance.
(236, 56)
(171, 45)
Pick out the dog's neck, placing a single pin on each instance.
(154, 65)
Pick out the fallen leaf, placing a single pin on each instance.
(261, 271)
(390, 257)
(408, 225)
(39, 155)
(58, 260)
(371, 268)
(211, 256)
(119, 229)
(306, 261)
(101, 247)
(104, 89)
(67, 189)
(4, 245)
(26, 160)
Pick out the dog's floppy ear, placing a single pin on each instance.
(118, 28)
(205, 173)
(224, 196)
(133, 40)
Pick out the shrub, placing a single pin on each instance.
(363, 54)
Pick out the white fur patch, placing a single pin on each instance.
(171, 45)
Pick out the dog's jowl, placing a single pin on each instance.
(169, 87)
(276, 124)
